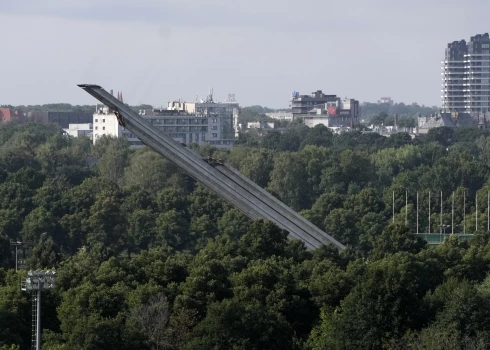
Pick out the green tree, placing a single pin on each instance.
(45, 254)
(172, 228)
(140, 231)
(263, 239)
(257, 166)
(342, 224)
(233, 224)
(106, 226)
(443, 135)
(287, 180)
(113, 156)
(396, 238)
(384, 304)
(230, 324)
(148, 170)
(319, 135)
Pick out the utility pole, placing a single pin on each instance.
(16, 244)
(35, 282)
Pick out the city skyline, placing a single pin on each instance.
(258, 51)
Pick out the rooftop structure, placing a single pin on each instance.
(280, 115)
(387, 100)
(260, 125)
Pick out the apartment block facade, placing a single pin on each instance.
(213, 123)
(466, 76)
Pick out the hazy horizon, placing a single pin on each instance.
(260, 51)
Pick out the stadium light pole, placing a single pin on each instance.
(452, 215)
(476, 212)
(36, 282)
(429, 213)
(406, 207)
(16, 244)
(417, 212)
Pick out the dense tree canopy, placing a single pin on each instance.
(149, 259)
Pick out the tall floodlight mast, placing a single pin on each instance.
(36, 282)
(16, 244)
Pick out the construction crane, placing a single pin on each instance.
(215, 174)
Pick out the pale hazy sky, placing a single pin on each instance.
(260, 50)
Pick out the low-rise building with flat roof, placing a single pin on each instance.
(78, 130)
(288, 116)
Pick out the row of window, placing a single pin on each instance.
(199, 121)
(183, 128)
(97, 120)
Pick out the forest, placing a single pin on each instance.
(146, 258)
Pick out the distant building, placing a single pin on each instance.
(337, 114)
(211, 122)
(64, 119)
(302, 104)
(78, 130)
(425, 123)
(105, 123)
(222, 119)
(466, 76)
(7, 114)
(260, 125)
(280, 115)
(453, 120)
(387, 100)
(188, 107)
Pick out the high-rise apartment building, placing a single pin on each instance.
(466, 76)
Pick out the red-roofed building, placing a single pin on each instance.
(7, 114)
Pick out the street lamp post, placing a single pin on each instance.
(443, 227)
(35, 282)
(16, 244)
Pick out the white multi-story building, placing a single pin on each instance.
(466, 76)
(209, 122)
(78, 130)
(105, 123)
